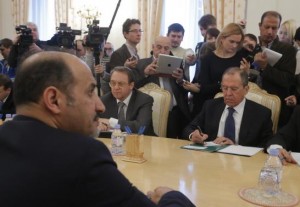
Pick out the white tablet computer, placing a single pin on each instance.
(167, 63)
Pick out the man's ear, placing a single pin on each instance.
(53, 99)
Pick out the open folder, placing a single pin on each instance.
(228, 149)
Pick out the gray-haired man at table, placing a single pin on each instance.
(232, 119)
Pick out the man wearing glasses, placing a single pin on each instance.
(232, 119)
(125, 105)
(127, 54)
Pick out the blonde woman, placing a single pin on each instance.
(228, 54)
(287, 31)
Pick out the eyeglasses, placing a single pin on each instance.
(226, 88)
(108, 48)
(136, 31)
(120, 84)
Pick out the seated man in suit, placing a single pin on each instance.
(288, 138)
(7, 105)
(232, 119)
(179, 115)
(49, 152)
(136, 112)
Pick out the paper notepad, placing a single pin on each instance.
(272, 56)
(240, 150)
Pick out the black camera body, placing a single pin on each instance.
(65, 36)
(26, 38)
(96, 35)
(256, 49)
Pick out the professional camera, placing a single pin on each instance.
(65, 36)
(96, 35)
(255, 50)
(26, 38)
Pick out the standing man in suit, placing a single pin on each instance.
(48, 151)
(252, 124)
(137, 105)
(288, 138)
(276, 79)
(127, 54)
(7, 105)
(179, 115)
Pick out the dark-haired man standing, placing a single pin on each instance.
(127, 54)
(276, 79)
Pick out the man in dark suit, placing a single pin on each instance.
(127, 55)
(137, 108)
(276, 79)
(47, 152)
(179, 115)
(7, 105)
(252, 122)
(288, 138)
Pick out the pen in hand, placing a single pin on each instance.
(201, 133)
(199, 129)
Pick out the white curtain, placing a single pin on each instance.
(20, 10)
(149, 13)
(226, 11)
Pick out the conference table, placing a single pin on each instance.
(208, 179)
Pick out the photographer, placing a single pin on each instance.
(25, 44)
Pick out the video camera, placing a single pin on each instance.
(255, 50)
(26, 38)
(65, 36)
(96, 35)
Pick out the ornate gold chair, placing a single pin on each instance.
(260, 96)
(161, 105)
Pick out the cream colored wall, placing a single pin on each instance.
(289, 9)
(6, 20)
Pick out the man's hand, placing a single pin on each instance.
(99, 69)
(178, 74)
(193, 87)
(158, 193)
(291, 100)
(103, 124)
(286, 157)
(198, 137)
(131, 62)
(261, 59)
(223, 141)
(151, 69)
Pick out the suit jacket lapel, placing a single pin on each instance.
(246, 122)
(130, 107)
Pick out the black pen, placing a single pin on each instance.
(199, 129)
(201, 133)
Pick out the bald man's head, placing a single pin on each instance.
(40, 71)
(162, 45)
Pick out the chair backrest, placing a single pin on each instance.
(260, 96)
(161, 105)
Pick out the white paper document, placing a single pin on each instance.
(241, 150)
(272, 56)
(296, 156)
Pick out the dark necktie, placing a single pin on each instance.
(121, 114)
(229, 130)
